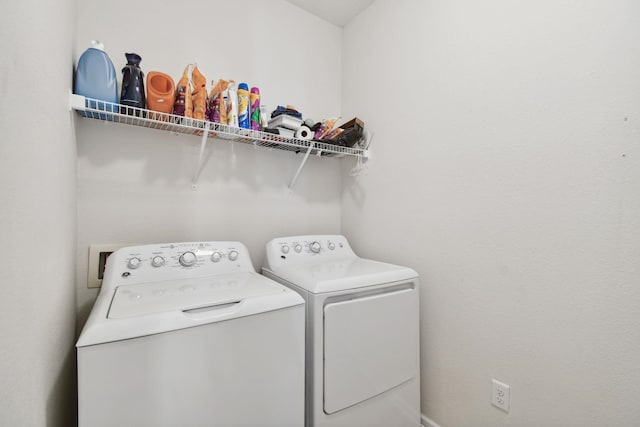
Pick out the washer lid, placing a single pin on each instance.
(187, 295)
(131, 311)
(341, 274)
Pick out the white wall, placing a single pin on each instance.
(507, 172)
(37, 215)
(134, 184)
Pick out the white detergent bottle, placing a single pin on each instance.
(232, 105)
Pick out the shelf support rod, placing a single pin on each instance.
(203, 143)
(304, 160)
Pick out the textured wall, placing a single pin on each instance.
(507, 172)
(37, 215)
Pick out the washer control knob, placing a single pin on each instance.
(297, 248)
(157, 261)
(315, 247)
(134, 263)
(233, 255)
(332, 246)
(216, 256)
(188, 259)
(285, 249)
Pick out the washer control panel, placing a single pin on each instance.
(169, 261)
(301, 249)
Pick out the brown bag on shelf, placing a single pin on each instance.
(199, 94)
(217, 107)
(183, 103)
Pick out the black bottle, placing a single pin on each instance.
(133, 84)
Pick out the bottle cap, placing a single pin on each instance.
(96, 44)
(133, 58)
(243, 86)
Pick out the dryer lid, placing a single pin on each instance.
(342, 274)
(371, 345)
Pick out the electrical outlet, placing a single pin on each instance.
(98, 254)
(500, 395)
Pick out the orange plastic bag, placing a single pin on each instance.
(217, 106)
(199, 94)
(183, 103)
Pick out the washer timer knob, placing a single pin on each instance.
(315, 247)
(157, 261)
(233, 255)
(332, 246)
(134, 263)
(216, 256)
(188, 259)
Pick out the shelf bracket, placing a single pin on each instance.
(304, 160)
(76, 102)
(196, 172)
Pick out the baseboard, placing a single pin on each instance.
(426, 422)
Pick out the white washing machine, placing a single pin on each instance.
(188, 334)
(362, 332)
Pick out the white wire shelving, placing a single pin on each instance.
(110, 112)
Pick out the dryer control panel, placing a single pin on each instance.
(170, 261)
(302, 249)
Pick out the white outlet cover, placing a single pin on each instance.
(500, 395)
(93, 280)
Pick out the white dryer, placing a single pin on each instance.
(188, 334)
(362, 332)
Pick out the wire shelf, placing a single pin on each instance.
(110, 112)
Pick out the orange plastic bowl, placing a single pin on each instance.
(160, 92)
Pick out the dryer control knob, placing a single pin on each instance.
(297, 248)
(216, 256)
(285, 249)
(332, 246)
(315, 247)
(188, 259)
(157, 261)
(233, 255)
(134, 263)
